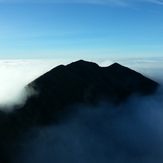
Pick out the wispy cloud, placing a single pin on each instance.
(104, 2)
(160, 2)
(100, 2)
(97, 2)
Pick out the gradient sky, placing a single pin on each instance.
(80, 28)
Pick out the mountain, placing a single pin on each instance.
(80, 82)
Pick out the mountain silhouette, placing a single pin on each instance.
(80, 82)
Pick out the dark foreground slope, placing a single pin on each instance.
(79, 82)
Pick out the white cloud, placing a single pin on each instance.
(154, 1)
(102, 2)
(16, 74)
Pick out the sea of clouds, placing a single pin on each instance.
(129, 133)
(16, 74)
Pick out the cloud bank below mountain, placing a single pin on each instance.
(131, 132)
(16, 74)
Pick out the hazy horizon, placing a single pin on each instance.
(16, 74)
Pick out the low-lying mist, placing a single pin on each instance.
(129, 133)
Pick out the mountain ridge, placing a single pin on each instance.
(85, 82)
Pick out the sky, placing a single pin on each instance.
(50, 29)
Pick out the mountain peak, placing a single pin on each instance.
(82, 63)
(116, 64)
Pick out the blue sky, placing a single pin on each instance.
(80, 28)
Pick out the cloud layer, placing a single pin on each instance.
(131, 132)
(16, 74)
